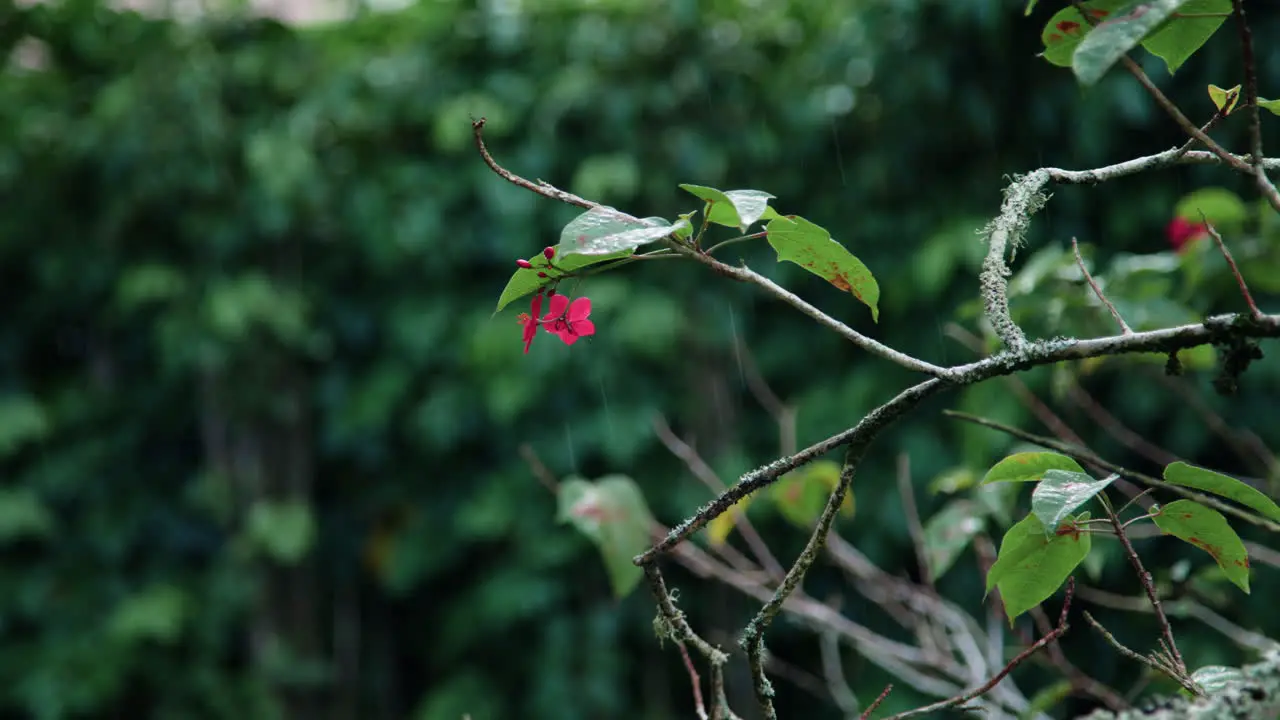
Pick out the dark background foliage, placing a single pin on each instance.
(259, 427)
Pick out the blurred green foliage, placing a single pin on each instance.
(260, 430)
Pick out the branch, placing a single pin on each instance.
(1177, 675)
(742, 274)
(1265, 185)
(1145, 578)
(1222, 246)
(965, 697)
(708, 476)
(1025, 196)
(1124, 327)
(699, 707)
(875, 704)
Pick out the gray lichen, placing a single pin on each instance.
(1022, 199)
(1256, 697)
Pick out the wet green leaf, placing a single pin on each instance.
(1208, 530)
(1060, 492)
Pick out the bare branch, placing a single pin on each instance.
(703, 472)
(1124, 327)
(1244, 288)
(1179, 677)
(965, 697)
(698, 705)
(1265, 185)
(876, 703)
(914, 527)
(1145, 578)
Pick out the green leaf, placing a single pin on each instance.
(952, 481)
(1180, 473)
(1031, 5)
(1220, 206)
(1181, 37)
(156, 613)
(1208, 530)
(1224, 100)
(22, 420)
(23, 515)
(1113, 39)
(1029, 467)
(1216, 678)
(949, 532)
(612, 513)
(801, 496)
(734, 208)
(1031, 566)
(1061, 492)
(811, 247)
(606, 231)
(1067, 28)
(525, 281)
(1272, 105)
(284, 530)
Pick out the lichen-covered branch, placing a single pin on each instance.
(1025, 196)
(1256, 697)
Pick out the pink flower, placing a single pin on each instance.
(1181, 231)
(569, 320)
(530, 322)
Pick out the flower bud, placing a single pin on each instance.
(548, 252)
(542, 274)
(524, 264)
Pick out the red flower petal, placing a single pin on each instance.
(580, 309)
(558, 305)
(584, 328)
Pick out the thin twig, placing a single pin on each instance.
(539, 469)
(1187, 126)
(1245, 443)
(698, 705)
(876, 703)
(1265, 185)
(1190, 143)
(1147, 584)
(701, 470)
(833, 673)
(965, 697)
(1116, 429)
(1080, 682)
(914, 527)
(1222, 246)
(1124, 327)
(1182, 679)
(1183, 607)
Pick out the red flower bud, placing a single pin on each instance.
(524, 264)
(548, 252)
(542, 274)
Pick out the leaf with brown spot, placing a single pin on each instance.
(811, 247)
(1208, 530)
